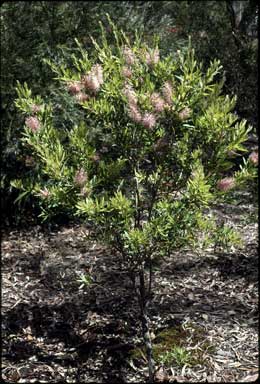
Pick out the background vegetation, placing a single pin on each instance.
(34, 31)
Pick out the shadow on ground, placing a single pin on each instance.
(230, 265)
(99, 325)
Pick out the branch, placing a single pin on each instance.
(249, 13)
(145, 325)
(232, 18)
(137, 204)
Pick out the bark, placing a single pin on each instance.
(145, 326)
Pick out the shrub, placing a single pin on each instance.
(147, 160)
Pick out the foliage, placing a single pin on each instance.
(48, 142)
(151, 149)
(177, 355)
(226, 30)
(176, 346)
(85, 280)
(31, 32)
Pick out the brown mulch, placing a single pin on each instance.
(55, 329)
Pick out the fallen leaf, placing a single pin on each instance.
(250, 378)
(191, 296)
(231, 312)
(161, 376)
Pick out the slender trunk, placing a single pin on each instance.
(150, 278)
(145, 326)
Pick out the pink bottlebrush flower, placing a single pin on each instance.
(97, 70)
(91, 82)
(254, 157)
(167, 92)
(33, 123)
(45, 193)
(129, 56)
(148, 120)
(185, 113)
(226, 184)
(80, 177)
(94, 79)
(74, 87)
(157, 102)
(153, 57)
(148, 59)
(126, 72)
(36, 108)
(134, 113)
(81, 97)
(129, 92)
(156, 55)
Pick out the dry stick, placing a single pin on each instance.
(145, 326)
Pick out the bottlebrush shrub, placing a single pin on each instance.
(149, 158)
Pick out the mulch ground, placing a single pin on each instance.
(55, 329)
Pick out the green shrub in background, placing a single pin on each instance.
(30, 32)
(147, 159)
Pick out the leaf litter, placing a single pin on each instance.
(57, 330)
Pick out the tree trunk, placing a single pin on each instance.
(145, 326)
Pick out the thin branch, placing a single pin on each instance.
(150, 277)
